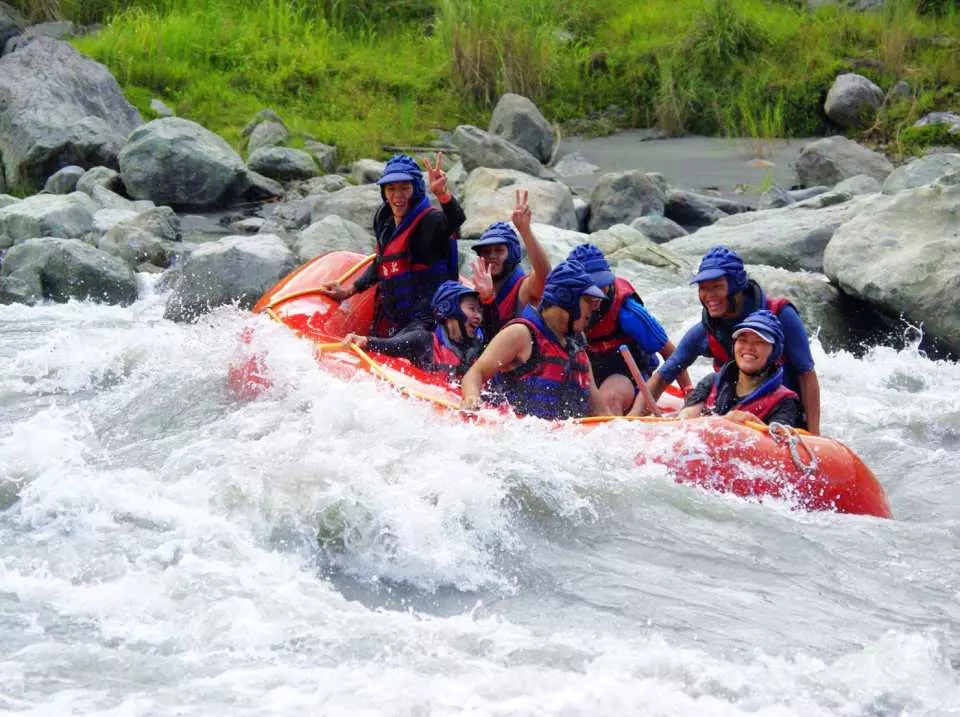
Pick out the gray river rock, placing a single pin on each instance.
(70, 111)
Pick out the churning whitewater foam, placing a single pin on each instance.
(331, 548)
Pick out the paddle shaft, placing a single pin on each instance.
(638, 379)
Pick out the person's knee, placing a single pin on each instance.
(618, 391)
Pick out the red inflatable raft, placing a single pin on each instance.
(751, 460)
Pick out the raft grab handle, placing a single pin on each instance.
(781, 434)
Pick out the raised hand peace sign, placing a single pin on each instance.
(482, 279)
(522, 215)
(436, 177)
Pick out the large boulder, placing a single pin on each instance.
(64, 269)
(161, 222)
(11, 24)
(830, 160)
(106, 219)
(517, 120)
(483, 149)
(951, 119)
(58, 108)
(324, 154)
(658, 229)
(621, 243)
(852, 101)
(151, 237)
(257, 188)
(689, 209)
(136, 247)
(66, 216)
(332, 233)
(111, 200)
(777, 197)
(557, 242)
(282, 163)
(920, 171)
(230, 270)
(860, 184)
(490, 195)
(53, 30)
(64, 181)
(267, 134)
(366, 171)
(621, 197)
(100, 177)
(318, 185)
(819, 303)
(356, 204)
(901, 254)
(177, 162)
(792, 238)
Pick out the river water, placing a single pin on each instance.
(333, 549)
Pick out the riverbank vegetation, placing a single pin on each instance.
(364, 73)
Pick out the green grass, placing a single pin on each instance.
(363, 73)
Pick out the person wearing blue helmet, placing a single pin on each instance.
(504, 286)
(728, 296)
(750, 387)
(621, 321)
(538, 362)
(452, 346)
(416, 246)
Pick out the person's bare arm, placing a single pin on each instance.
(531, 290)
(512, 346)
(656, 385)
(810, 398)
(694, 411)
(683, 380)
(598, 406)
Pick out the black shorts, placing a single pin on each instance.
(606, 365)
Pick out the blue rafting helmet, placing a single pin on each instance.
(594, 263)
(403, 168)
(766, 325)
(446, 300)
(502, 233)
(720, 262)
(566, 284)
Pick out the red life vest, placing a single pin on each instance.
(605, 336)
(448, 358)
(554, 383)
(720, 353)
(506, 304)
(761, 406)
(405, 287)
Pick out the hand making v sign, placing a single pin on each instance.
(437, 178)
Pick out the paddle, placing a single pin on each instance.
(638, 379)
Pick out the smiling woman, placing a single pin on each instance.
(750, 386)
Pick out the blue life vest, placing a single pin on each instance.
(406, 287)
(554, 383)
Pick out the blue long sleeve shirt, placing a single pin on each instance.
(638, 323)
(796, 348)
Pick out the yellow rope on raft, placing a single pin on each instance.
(362, 264)
(379, 371)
